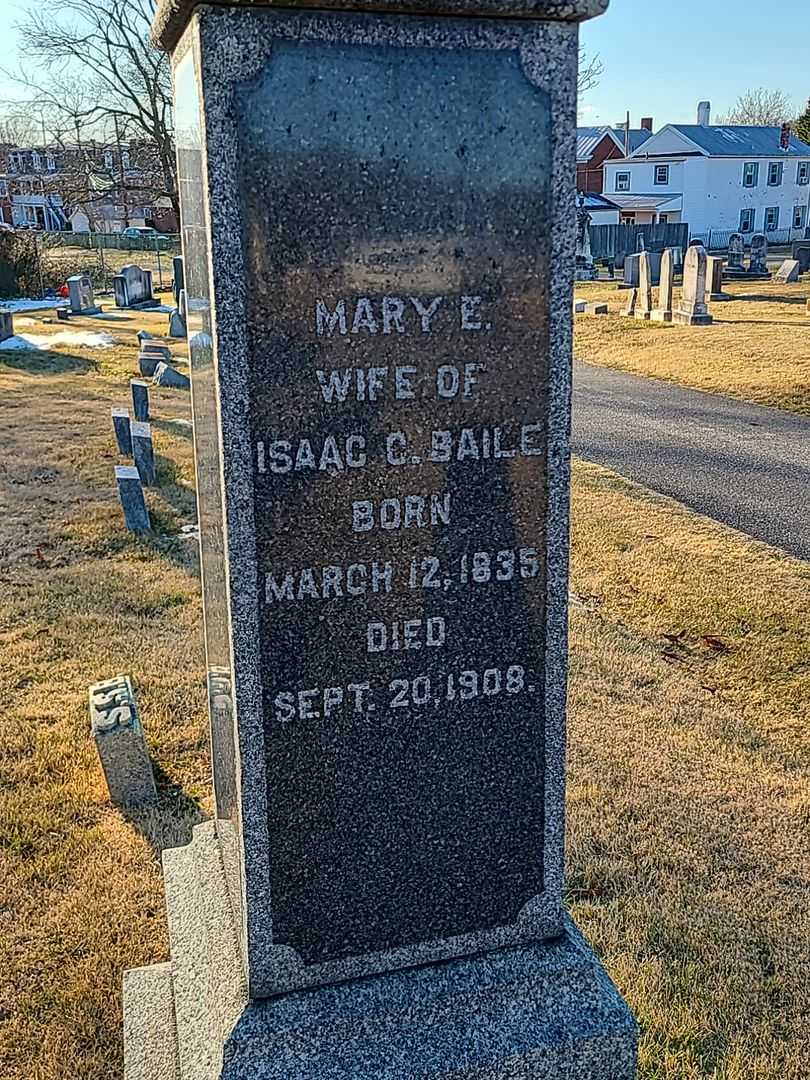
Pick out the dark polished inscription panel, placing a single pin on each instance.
(395, 210)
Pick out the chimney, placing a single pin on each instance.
(704, 113)
(646, 123)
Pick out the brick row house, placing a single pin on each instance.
(82, 188)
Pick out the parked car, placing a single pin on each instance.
(5, 227)
(143, 232)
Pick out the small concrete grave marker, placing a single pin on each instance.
(801, 252)
(663, 313)
(579, 306)
(169, 376)
(178, 277)
(120, 742)
(121, 426)
(130, 492)
(645, 287)
(788, 272)
(692, 310)
(381, 433)
(596, 309)
(154, 348)
(133, 288)
(6, 324)
(632, 301)
(147, 362)
(140, 398)
(80, 295)
(143, 452)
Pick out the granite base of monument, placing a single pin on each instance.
(538, 1011)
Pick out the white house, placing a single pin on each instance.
(732, 179)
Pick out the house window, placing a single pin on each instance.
(51, 163)
(3, 188)
(14, 162)
(750, 173)
(628, 219)
(108, 159)
(36, 160)
(25, 187)
(803, 172)
(36, 186)
(747, 220)
(799, 216)
(771, 218)
(125, 159)
(775, 173)
(622, 181)
(663, 219)
(662, 174)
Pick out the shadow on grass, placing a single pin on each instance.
(43, 362)
(764, 298)
(180, 427)
(170, 822)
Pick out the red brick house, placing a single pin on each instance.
(596, 145)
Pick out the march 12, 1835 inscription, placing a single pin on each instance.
(396, 238)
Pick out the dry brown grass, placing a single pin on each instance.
(688, 794)
(59, 262)
(758, 347)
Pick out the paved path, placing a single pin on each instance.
(741, 464)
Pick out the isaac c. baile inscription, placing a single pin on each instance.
(396, 239)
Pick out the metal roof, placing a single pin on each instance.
(741, 141)
(647, 202)
(588, 138)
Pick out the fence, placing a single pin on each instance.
(612, 243)
(115, 241)
(717, 239)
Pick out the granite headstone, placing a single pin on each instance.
(6, 324)
(663, 313)
(736, 251)
(132, 288)
(140, 398)
(130, 492)
(759, 254)
(692, 310)
(80, 295)
(121, 427)
(143, 453)
(381, 415)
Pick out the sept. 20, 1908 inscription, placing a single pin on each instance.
(396, 243)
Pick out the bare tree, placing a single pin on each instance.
(101, 76)
(760, 107)
(590, 72)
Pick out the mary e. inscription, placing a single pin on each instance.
(397, 241)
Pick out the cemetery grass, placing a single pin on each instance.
(758, 347)
(689, 798)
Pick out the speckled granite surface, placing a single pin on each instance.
(172, 16)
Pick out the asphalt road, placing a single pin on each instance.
(741, 464)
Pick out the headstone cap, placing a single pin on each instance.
(172, 16)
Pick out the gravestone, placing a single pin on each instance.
(585, 268)
(663, 313)
(632, 302)
(120, 742)
(596, 308)
(579, 306)
(380, 342)
(692, 310)
(759, 254)
(801, 252)
(178, 320)
(631, 272)
(6, 324)
(143, 453)
(133, 288)
(645, 296)
(81, 296)
(154, 348)
(140, 398)
(169, 376)
(714, 279)
(178, 277)
(788, 272)
(130, 492)
(736, 251)
(147, 362)
(121, 426)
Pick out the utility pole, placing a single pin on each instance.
(124, 201)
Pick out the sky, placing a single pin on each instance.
(661, 56)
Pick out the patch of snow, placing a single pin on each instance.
(89, 338)
(32, 305)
